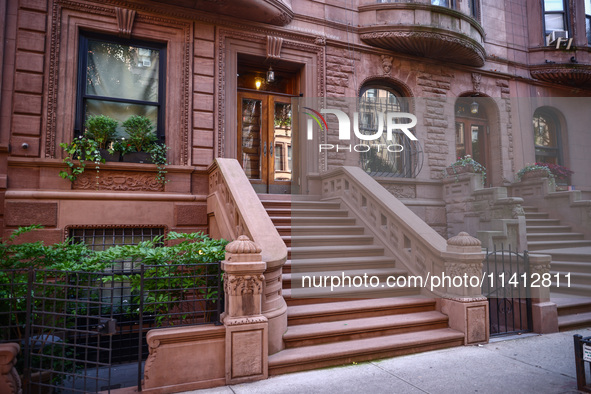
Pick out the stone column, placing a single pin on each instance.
(10, 382)
(465, 305)
(246, 327)
(544, 312)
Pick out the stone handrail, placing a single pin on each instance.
(235, 209)
(411, 241)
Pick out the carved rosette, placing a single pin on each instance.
(239, 285)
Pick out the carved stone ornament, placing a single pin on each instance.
(441, 44)
(117, 181)
(459, 269)
(238, 285)
(387, 64)
(243, 245)
(125, 19)
(464, 239)
(274, 45)
(517, 211)
(476, 78)
(320, 40)
(542, 268)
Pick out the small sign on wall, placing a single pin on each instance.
(587, 353)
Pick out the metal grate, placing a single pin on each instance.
(101, 238)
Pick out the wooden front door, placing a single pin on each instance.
(472, 139)
(265, 141)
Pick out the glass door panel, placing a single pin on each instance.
(251, 133)
(282, 140)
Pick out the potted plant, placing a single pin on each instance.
(561, 173)
(78, 152)
(463, 165)
(103, 130)
(140, 139)
(534, 171)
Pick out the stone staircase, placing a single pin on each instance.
(571, 253)
(323, 240)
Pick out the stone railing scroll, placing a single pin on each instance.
(414, 245)
(234, 209)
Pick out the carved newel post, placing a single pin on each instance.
(463, 301)
(10, 382)
(246, 327)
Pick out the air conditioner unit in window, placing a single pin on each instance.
(555, 35)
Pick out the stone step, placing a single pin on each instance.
(570, 305)
(340, 353)
(327, 240)
(536, 215)
(305, 213)
(576, 278)
(311, 221)
(316, 264)
(309, 252)
(370, 327)
(529, 208)
(574, 321)
(582, 255)
(575, 289)
(554, 236)
(541, 245)
(301, 204)
(542, 222)
(547, 229)
(381, 273)
(351, 309)
(320, 230)
(379, 290)
(571, 266)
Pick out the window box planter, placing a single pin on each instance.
(116, 156)
(137, 157)
(455, 170)
(535, 174)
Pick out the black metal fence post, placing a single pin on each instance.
(141, 330)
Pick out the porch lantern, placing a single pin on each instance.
(474, 107)
(270, 75)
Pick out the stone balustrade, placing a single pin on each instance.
(235, 209)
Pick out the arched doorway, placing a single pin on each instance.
(472, 130)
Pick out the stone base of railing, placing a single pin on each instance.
(468, 315)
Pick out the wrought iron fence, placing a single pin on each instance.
(73, 326)
(509, 301)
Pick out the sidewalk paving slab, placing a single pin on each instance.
(530, 364)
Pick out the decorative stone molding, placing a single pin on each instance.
(243, 245)
(118, 181)
(274, 45)
(125, 19)
(387, 64)
(476, 78)
(461, 269)
(320, 40)
(578, 75)
(401, 191)
(237, 285)
(463, 239)
(441, 45)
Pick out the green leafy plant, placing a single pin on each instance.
(466, 161)
(78, 152)
(535, 167)
(559, 172)
(158, 154)
(140, 133)
(102, 129)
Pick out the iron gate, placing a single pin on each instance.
(84, 332)
(509, 299)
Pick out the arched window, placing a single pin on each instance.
(547, 137)
(400, 157)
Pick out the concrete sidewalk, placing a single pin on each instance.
(528, 364)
